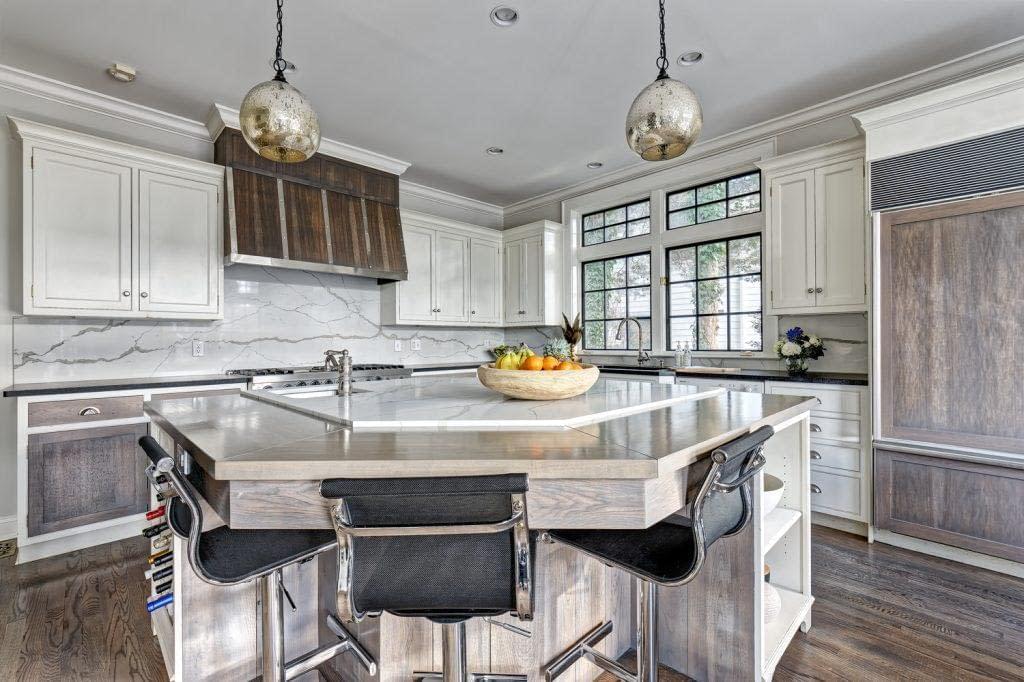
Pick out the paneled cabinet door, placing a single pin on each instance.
(81, 233)
(514, 281)
(451, 277)
(415, 295)
(179, 245)
(485, 282)
(840, 234)
(85, 476)
(792, 241)
(533, 279)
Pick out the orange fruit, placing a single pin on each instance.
(565, 365)
(577, 365)
(550, 362)
(534, 362)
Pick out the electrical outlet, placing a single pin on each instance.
(398, 346)
(416, 345)
(198, 349)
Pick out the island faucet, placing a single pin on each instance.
(344, 367)
(641, 356)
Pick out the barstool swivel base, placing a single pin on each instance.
(453, 649)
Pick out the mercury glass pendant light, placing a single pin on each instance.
(277, 120)
(665, 118)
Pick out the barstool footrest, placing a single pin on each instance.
(475, 677)
(584, 648)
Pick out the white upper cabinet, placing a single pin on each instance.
(451, 278)
(533, 281)
(817, 230)
(513, 280)
(114, 230)
(485, 281)
(415, 297)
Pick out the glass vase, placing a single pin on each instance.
(796, 366)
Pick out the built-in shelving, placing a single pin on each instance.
(779, 632)
(776, 525)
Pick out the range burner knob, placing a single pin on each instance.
(301, 383)
(314, 382)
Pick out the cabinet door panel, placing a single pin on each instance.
(415, 300)
(485, 277)
(792, 240)
(840, 234)
(384, 227)
(513, 282)
(533, 280)
(304, 223)
(348, 230)
(84, 476)
(81, 233)
(179, 250)
(256, 214)
(451, 272)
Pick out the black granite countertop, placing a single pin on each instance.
(850, 379)
(63, 387)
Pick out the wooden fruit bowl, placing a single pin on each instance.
(538, 384)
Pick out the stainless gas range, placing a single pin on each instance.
(292, 378)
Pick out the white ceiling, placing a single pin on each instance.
(435, 83)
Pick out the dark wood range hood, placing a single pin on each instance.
(324, 214)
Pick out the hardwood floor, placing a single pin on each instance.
(882, 613)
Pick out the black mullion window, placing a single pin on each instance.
(713, 297)
(613, 289)
(619, 222)
(711, 201)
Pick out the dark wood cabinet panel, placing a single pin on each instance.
(232, 150)
(346, 178)
(348, 232)
(965, 504)
(384, 228)
(257, 219)
(84, 476)
(381, 187)
(304, 221)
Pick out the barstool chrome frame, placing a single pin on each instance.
(270, 588)
(453, 634)
(647, 589)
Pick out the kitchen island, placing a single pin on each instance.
(617, 457)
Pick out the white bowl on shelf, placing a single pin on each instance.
(772, 494)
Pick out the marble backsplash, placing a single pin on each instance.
(272, 318)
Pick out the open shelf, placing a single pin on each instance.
(163, 627)
(780, 631)
(776, 524)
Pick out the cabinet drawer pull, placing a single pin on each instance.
(815, 489)
(126, 293)
(815, 454)
(815, 428)
(89, 411)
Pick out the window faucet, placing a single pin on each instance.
(641, 356)
(344, 367)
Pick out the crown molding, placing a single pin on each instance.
(225, 117)
(977, 63)
(89, 100)
(427, 220)
(439, 196)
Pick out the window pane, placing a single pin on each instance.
(593, 276)
(682, 299)
(684, 330)
(712, 332)
(680, 200)
(748, 204)
(593, 237)
(711, 260)
(745, 331)
(712, 192)
(634, 344)
(614, 232)
(593, 305)
(744, 294)
(615, 273)
(639, 302)
(593, 220)
(711, 296)
(681, 219)
(745, 184)
(682, 264)
(593, 334)
(745, 255)
(641, 210)
(615, 304)
(640, 227)
(616, 215)
(610, 342)
(706, 214)
(639, 270)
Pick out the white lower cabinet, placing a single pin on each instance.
(730, 385)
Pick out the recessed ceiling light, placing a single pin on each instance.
(690, 58)
(594, 165)
(122, 72)
(495, 151)
(504, 16)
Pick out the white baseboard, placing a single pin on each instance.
(8, 527)
(839, 523)
(964, 556)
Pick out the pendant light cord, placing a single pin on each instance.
(280, 64)
(662, 60)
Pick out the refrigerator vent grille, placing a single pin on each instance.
(984, 164)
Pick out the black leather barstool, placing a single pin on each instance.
(445, 549)
(670, 552)
(223, 556)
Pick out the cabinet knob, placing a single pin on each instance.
(144, 295)
(810, 290)
(815, 428)
(815, 454)
(126, 293)
(815, 489)
(472, 312)
(818, 290)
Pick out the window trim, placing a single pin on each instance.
(625, 223)
(584, 291)
(667, 296)
(697, 203)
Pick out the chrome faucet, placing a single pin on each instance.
(344, 367)
(641, 356)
